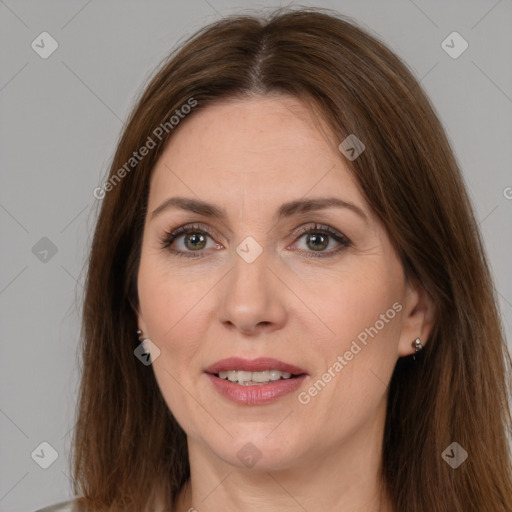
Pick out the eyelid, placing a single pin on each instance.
(169, 236)
(320, 228)
(184, 229)
(343, 241)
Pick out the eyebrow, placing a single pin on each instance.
(285, 210)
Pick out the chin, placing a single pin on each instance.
(257, 450)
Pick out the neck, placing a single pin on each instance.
(276, 492)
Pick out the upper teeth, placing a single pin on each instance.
(243, 377)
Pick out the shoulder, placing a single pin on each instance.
(63, 506)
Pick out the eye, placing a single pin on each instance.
(318, 238)
(189, 239)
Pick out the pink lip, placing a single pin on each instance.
(253, 365)
(260, 394)
(256, 395)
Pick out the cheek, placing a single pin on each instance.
(169, 297)
(353, 300)
(363, 312)
(171, 307)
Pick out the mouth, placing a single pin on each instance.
(245, 378)
(247, 372)
(255, 382)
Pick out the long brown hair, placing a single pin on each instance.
(126, 441)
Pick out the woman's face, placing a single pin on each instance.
(281, 259)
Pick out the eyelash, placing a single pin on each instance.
(170, 237)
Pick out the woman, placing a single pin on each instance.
(288, 306)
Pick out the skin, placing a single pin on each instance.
(249, 156)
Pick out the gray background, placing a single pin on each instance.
(61, 118)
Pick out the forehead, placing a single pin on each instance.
(259, 149)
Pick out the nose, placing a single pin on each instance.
(252, 298)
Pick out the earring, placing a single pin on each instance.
(416, 344)
(139, 332)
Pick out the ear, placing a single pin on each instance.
(418, 317)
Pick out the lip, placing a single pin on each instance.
(256, 395)
(260, 394)
(253, 365)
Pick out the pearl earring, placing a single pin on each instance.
(417, 346)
